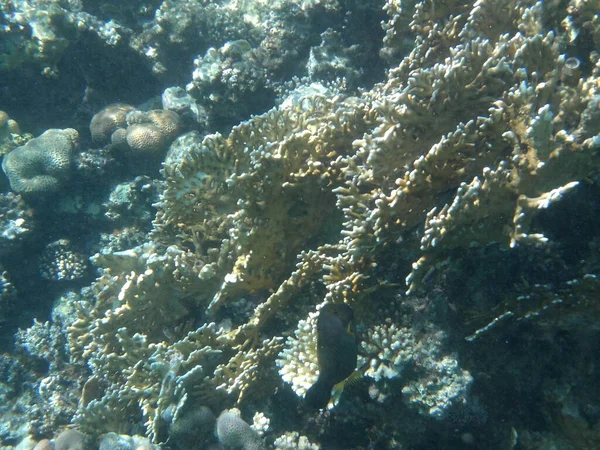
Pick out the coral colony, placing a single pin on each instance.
(193, 186)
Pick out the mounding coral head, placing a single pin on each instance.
(43, 164)
(107, 120)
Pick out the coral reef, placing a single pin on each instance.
(452, 206)
(90, 54)
(39, 32)
(465, 144)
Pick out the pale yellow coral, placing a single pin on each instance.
(145, 139)
(167, 121)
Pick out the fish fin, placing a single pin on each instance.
(352, 379)
(318, 395)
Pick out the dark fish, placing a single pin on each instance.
(337, 348)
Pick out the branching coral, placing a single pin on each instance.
(471, 139)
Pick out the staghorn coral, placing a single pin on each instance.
(40, 167)
(170, 368)
(223, 175)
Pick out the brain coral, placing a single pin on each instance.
(41, 165)
(145, 138)
(108, 120)
(167, 121)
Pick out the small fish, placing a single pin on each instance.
(337, 351)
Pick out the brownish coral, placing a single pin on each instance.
(106, 121)
(167, 121)
(146, 139)
(330, 197)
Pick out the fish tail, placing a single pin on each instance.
(318, 395)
